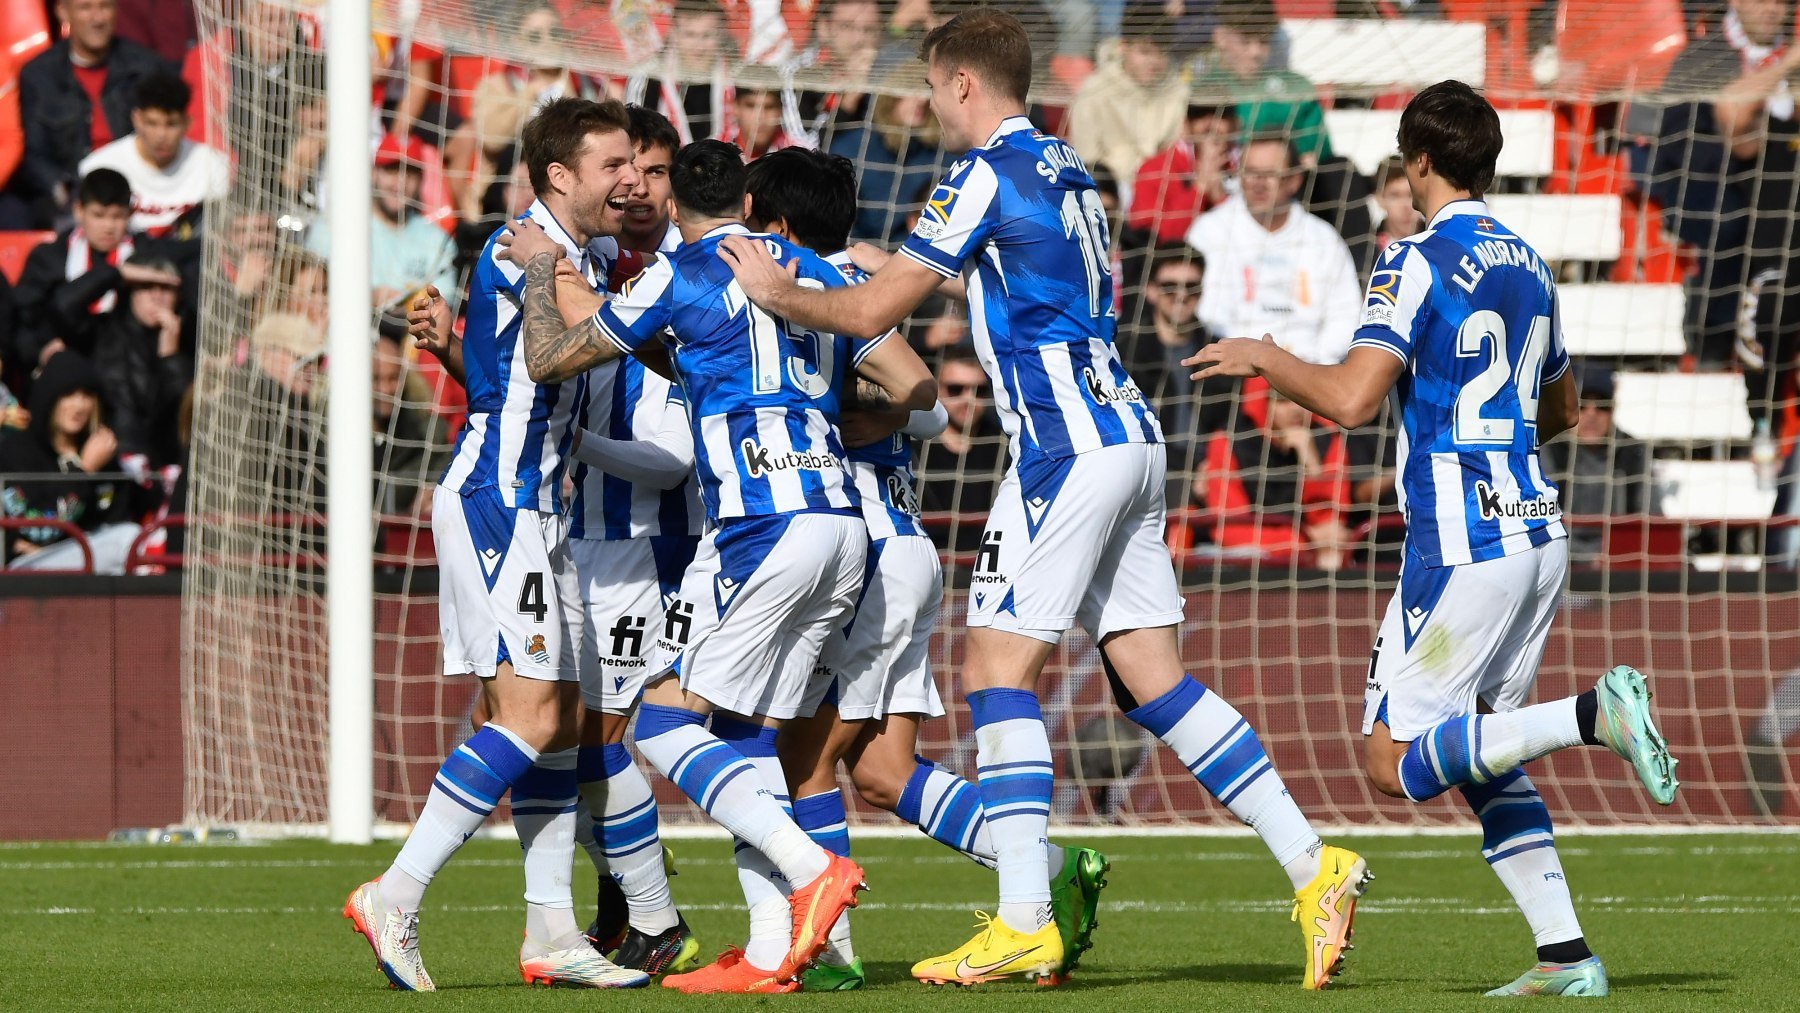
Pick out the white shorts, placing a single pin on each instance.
(507, 590)
(1456, 635)
(1077, 539)
(626, 585)
(755, 607)
(880, 662)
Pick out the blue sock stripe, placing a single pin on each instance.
(1417, 778)
(542, 810)
(1244, 752)
(618, 818)
(710, 793)
(656, 719)
(465, 790)
(1482, 774)
(590, 764)
(466, 770)
(614, 758)
(498, 753)
(546, 783)
(732, 729)
(1222, 742)
(997, 813)
(624, 838)
(1510, 810)
(992, 706)
(705, 763)
(1161, 715)
(460, 799)
(1521, 849)
(994, 768)
(912, 797)
(1255, 774)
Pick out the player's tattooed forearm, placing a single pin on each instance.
(871, 397)
(554, 353)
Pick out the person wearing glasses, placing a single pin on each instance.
(1291, 273)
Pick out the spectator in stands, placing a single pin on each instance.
(1166, 330)
(166, 27)
(1759, 122)
(960, 468)
(1603, 471)
(688, 82)
(67, 436)
(1279, 482)
(246, 263)
(67, 282)
(1133, 105)
(406, 252)
(1238, 69)
(837, 67)
(1292, 275)
(284, 441)
(76, 96)
(1185, 179)
(410, 440)
(754, 124)
(1393, 196)
(260, 69)
(142, 368)
(896, 154)
(1691, 170)
(170, 176)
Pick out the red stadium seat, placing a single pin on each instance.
(27, 29)
(15, 247)
(1599, 52)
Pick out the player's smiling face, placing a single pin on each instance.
(604, 179)
(947, 94)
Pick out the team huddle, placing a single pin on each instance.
(684, 492)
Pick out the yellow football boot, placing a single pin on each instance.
(996, 952)
(1325, 910)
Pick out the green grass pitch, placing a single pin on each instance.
(1188, 923)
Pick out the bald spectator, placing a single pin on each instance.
(1290, 273)
(76, 96)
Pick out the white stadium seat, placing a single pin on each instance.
(1681, 406)
(1563, 226)
(1716, 490)
(1609, 319)
(1366, 136)
(1383, 53)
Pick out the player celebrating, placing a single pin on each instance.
(1461, 323)
(783, 559)
(878, 686)
(509, 604)
(1075, 533)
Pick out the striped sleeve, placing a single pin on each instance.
(1556, 360)
(633, 317)
(1395, 301)
(955, 220)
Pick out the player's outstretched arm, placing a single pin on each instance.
(1348, 393)
(663, 460)
(892, 378)
(875, 307)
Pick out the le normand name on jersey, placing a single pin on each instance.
(1498, 253)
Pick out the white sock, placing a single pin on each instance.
(724, 784)
(584, 836)
(463, 794)
(1515, 738)
(1013, 766)
(1223, 753)
(543, 812)
(631, 840)
(766, 896)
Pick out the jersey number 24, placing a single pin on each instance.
(1484, 333)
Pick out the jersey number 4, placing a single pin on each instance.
(1484, 333)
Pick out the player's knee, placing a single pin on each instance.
(876, 787)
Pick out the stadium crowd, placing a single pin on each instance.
(1231, 214)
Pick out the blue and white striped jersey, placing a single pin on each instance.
(1472, 311)
(763, 396)
(627, 401)
(882, 471)
(1019, 217)
(518, 435)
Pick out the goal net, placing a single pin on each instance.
(1675, 257)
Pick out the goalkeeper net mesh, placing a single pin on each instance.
(1678, 278)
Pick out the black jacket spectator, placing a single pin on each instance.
(76, 499)
(59, 116)
(53, 305)
(141, 386)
